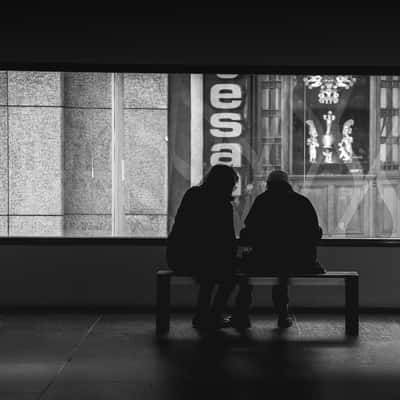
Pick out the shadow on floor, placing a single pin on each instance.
(239, 366)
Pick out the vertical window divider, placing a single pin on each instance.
(117, 95)
(196, 127)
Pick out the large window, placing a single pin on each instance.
(60, 174)
(104, 154)
(336, 135)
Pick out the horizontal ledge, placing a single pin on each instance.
(161, 242)
(123, 308)
(269, 281)
(193, 67)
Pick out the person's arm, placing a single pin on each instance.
(315, 229)
(184, 215)
(247, 233)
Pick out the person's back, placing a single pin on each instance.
(282, 227)
(202, 240)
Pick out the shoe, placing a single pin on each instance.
(210, 323)
(241, 323)
(224, 321)
(285, 321)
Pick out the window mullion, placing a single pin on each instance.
(118, 217)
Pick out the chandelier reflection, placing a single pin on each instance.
(329, 86)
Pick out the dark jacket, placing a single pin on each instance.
(282, 228)
(202, 240)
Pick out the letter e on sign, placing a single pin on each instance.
(226, 96)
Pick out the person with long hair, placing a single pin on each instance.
(202, 243)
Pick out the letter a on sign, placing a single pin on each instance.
(226, 153)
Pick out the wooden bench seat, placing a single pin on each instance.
(349, 279)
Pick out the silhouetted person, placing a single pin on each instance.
(282, 229)
(202, 243)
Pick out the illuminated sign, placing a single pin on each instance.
(226, 122)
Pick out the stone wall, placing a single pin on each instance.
(55, 154)
(32, 149)
(146, 131)
(87, 154)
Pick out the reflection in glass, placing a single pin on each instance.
(66, 172)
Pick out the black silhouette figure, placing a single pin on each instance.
(282, 229)
(202, 243)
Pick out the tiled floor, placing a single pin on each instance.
(116, 356)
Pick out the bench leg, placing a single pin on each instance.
(162, 304)
(351, 289)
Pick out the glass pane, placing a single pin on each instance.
(395, 125)
(60, 174)
(59, 163)
(383, 97)
(265, 99)
(331, 120)
(395, 153)
(321, 136)
(87, 154)
(383, 152)
(145, 154)
(395, 99)
(383, 122)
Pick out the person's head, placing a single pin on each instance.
(221, 180)
(278, 180)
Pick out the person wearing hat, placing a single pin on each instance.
(283, 231)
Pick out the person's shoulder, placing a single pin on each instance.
(300, 198)
(194, 190)
(192, 193)
(262, 196)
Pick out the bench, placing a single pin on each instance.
(349, 279)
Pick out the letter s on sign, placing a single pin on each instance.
(226, 153)
(231, 92)
(226, 121)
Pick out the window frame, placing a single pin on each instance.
(188, 69)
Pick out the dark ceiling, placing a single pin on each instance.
(200, 38)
